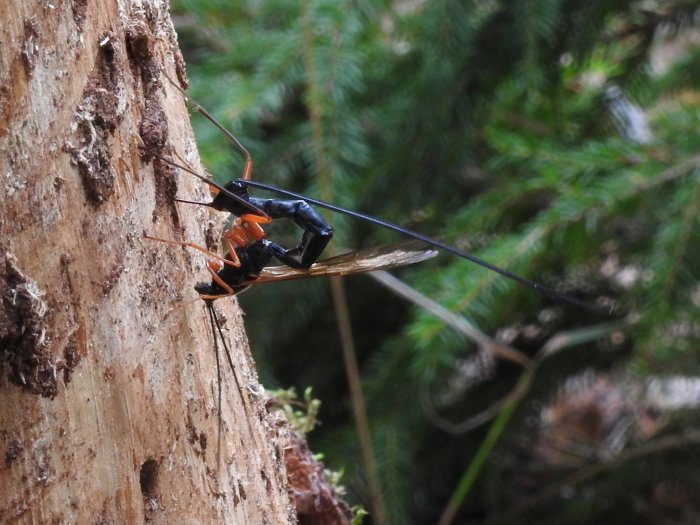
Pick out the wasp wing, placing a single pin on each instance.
(382, 257)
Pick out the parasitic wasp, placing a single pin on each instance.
(251, 212)
(249, 252)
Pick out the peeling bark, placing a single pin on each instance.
(107, 375)
(317, 500)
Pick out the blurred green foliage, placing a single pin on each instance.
(558, 139)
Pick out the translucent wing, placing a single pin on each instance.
(369, 260)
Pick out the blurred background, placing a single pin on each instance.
(555, 138)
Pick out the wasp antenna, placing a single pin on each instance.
(248, 166)
(214, 184)
(194, 202)
(544, 290)
(190, 171)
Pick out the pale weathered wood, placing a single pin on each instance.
(108, 406)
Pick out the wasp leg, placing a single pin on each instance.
(232, 261)
(229, 291)
(227, 280)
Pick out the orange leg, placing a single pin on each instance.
(244, 227)
(218, 280)
(236, 234)
(251, 217)
(233, 261)
(251, 224)
(254, 230)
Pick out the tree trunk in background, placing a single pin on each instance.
(109, 407)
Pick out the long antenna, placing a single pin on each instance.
(213, 183)
(545, 290)
(245, 178)
(248, 166)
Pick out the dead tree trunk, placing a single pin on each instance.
(109, 406)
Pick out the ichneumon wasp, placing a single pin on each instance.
(249, 252)
(251, 212)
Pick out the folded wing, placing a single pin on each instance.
(382, 257)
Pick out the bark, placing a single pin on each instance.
(109, 402)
